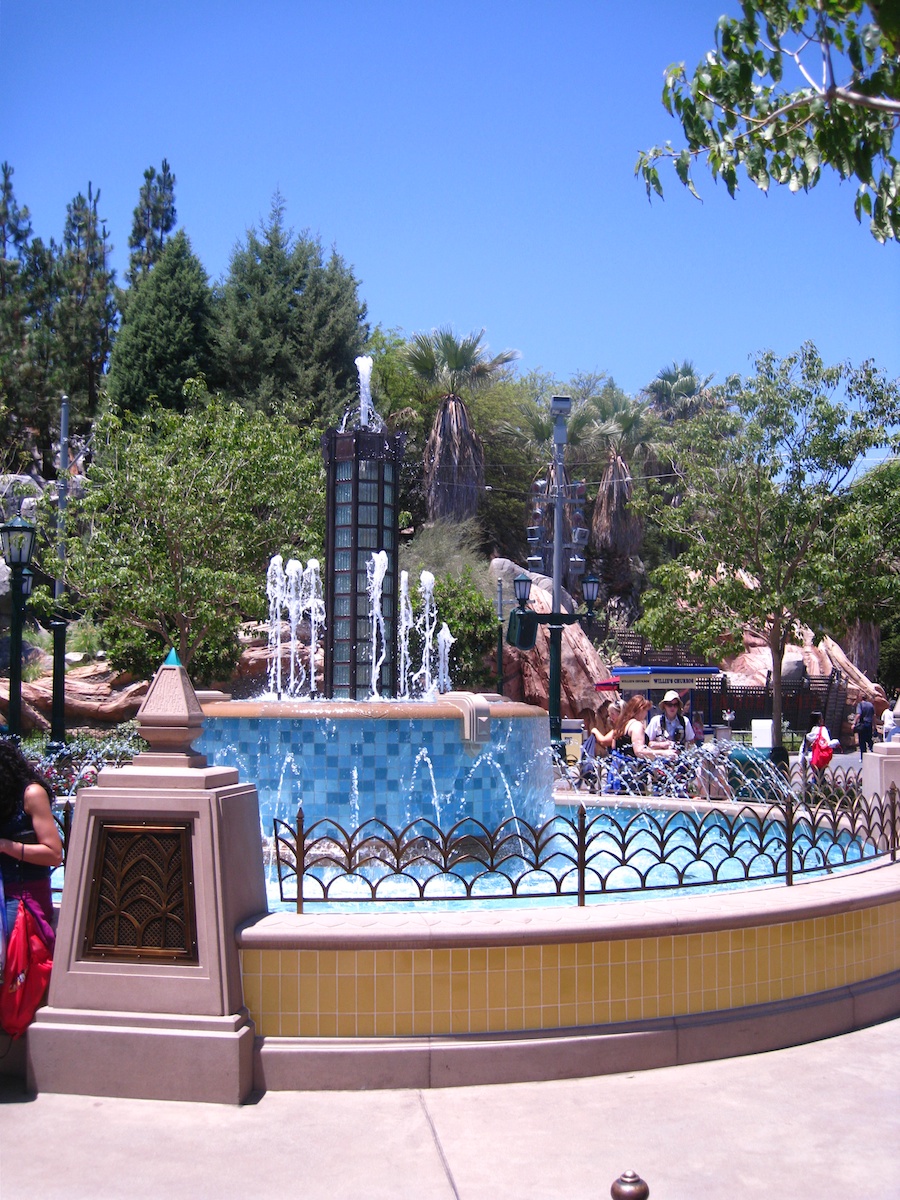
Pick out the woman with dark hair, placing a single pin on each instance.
(629, 745)
(30, 845)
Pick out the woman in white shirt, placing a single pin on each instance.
(888, 724)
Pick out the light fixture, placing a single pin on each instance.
(27, 582)
(17, 538)
(522, 588)
(590, 589)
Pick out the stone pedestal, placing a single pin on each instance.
(881, 768)
(164, 862)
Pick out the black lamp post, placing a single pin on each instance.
(556, 622)
(17, 537)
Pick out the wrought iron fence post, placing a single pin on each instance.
(789, 839)
(581, 853)
(893, 822)
(803, 775)
(300, 857)
(67, 828)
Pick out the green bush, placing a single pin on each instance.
(140, 652)
(471, 619)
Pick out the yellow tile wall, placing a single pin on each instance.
(390, 993)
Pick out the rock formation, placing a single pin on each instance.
(526, 674)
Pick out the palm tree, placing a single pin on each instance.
(626, 432)
(677, 392)
(454, 456)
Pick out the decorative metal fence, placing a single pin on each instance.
(62, 815)
(595, 852)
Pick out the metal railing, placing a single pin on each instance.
(62, 815)
(620, 849)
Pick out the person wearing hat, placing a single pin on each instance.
(670, 730)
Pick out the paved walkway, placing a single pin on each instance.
(819, 1122)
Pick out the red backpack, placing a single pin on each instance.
(822, 752)
(26, 973)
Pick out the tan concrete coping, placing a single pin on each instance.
(852, 890)
(375, 710)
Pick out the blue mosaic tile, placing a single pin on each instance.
(403, 769)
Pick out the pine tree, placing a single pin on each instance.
(289, 325)
(15, 233)
(85, 310)
(165, 334)
(154, 220)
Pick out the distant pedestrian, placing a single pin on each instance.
(864, 724)
(888, 724)
(818, 745)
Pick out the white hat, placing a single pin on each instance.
(671, 697)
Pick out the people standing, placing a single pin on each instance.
(864, 724)
(888, 724)
(817, 734)
(30, 845)
(629, 746)
(670, 730)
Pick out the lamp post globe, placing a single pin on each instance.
(17, 540)
(522, 589)
(590, 589)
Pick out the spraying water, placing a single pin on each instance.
(275, 595)
(376, 569)
(316, 604)
(364, 412)
(445, 641)
(295, 592)
(425, 626)
(405, 623)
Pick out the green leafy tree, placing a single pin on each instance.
(471, 619)
(153, 221)
(179, 519)
(393, 395)
(446, 365)
(290, 325)
(518, 427)
(791, 89)
(676, 393)
(166, 332)
(463, 594)
(773, 532)
(875, 645)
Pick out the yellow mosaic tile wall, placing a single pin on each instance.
(390, 993)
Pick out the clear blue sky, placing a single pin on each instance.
(473, 162)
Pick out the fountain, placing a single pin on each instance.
(391, 740)
(172, 981)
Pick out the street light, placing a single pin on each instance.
(590, 589)
(17, 539)
(522, 589)
(521, 634)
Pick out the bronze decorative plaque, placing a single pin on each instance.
(142, 894)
